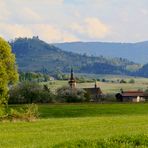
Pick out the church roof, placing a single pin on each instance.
(93, 90)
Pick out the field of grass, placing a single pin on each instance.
(80, 125)
(107, 87)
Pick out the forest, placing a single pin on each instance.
(35, 55)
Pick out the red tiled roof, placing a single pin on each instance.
(134, 94)
(133, 91)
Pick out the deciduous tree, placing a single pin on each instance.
(8, 70)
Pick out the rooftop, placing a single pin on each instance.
(134, 94)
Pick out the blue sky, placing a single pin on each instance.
(75, 20)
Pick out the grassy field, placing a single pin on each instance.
(70, 125)
(107, 87)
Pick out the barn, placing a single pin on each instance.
(132, 96)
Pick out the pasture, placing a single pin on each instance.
(70, 125)
(106, 87)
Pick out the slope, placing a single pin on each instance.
(32, 54)
(137, 52)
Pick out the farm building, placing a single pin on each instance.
(132, 96)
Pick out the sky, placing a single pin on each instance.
(75, 20)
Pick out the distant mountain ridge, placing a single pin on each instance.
(35, 55)
(137, 52)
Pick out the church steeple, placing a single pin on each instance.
(72, 82)
(71, 77)
(96, 84)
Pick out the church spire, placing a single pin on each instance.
(72, 82)
(95, 84)
(71, 77)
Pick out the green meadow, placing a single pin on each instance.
(107, 87)
(80, 125)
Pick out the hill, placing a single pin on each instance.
(137, 52)
(32, 54)
(143, 72)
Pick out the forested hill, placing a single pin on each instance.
(32, 54)
(143, 72)
(137, 52)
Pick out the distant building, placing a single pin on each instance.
(132, 96)
(72, 81)
(94, 93)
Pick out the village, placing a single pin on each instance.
(96, 94)
(73, 74)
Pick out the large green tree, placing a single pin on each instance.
(8, 70)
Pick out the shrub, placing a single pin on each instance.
(131, 81)
(122, 81)
(146, 91)
(109, 98)
(3, 111)
(26, 113)
(30, 92)
(103, 80)
(67, 94)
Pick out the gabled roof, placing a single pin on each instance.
(93, 90)
(134, 94)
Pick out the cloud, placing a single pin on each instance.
(46, 32)
(30, 15)
(51, 33)
(144, 11)
(92, 27)
(14, 30)
(36, 2)
(50, 19)
(68, 37)
(4, 11)
(53, 1)
(84, 2)
(72, 20)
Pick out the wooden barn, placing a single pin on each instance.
(132, 96)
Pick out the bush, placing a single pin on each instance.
(3, 111)
(30, 92)
(109, 98)
(131, 81)
(67, 94)
(122, 81)
(27, 113)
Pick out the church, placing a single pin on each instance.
(94, 93)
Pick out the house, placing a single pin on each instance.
(131, 96)
(93, 93)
